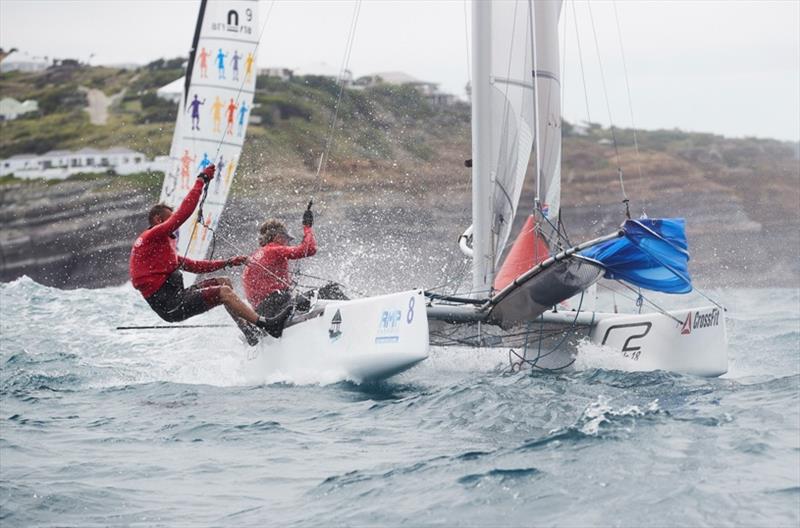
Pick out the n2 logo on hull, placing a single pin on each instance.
(636, 331)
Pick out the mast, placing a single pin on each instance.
(193, 52)
(482, 260)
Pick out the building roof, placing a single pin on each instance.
(87, 151)
(57, 153)
(175, 87)
(121, 150)
(323, 69)
(399, 78)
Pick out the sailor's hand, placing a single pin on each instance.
(308, 217)
(236, 261)
(208, 173)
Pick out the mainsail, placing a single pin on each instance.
(516, 111)
(213, 113)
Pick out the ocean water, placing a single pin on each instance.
(101, 427)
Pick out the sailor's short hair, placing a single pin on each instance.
(269, 230)
(157, 210)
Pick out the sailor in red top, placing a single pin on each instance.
(267, 282)
(155, 269)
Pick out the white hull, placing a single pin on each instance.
(371, 339)
(698, 345)
(645, 342)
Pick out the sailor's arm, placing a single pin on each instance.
(207, 266)
(187, 205)
(306, 248)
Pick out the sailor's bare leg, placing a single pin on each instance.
(235, 306)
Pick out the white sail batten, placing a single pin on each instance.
(213, 114)
(521, 110)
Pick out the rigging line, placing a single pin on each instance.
(580, 60)
(616, 292)
(625, 199)
(323, 158)
(564, 335)
(657, 307)
(628, 89)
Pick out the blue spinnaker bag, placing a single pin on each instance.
(653, 254)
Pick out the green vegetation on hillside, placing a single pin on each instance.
(377, 127)
(295, 116)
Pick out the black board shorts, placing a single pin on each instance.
(173, 303)
(274, 303)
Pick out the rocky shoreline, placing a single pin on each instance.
(382, 227)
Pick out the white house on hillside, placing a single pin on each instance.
(21, 61)
(10, 108)
(172, 91)
(283, 74)
(323, 69)
(61, 164)
(429, 89)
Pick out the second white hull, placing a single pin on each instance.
(359, 340)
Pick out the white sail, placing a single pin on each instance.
(548, 115)
(213, 113)
(517, 111)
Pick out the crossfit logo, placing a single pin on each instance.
(686, 329)
(699, 321)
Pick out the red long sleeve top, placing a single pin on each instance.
(153, 256)
(259, 283)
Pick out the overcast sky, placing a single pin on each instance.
(728, 67)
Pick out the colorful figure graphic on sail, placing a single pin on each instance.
(231, 113)
(229, 172)
(203, 57)
(218, 176)
(205, 162)
(235, 64)
(186, 162)
(216, 113)
(194, 104)
(248, 67)
(221, 63)
(242, 113)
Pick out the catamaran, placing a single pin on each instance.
(517, 286)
